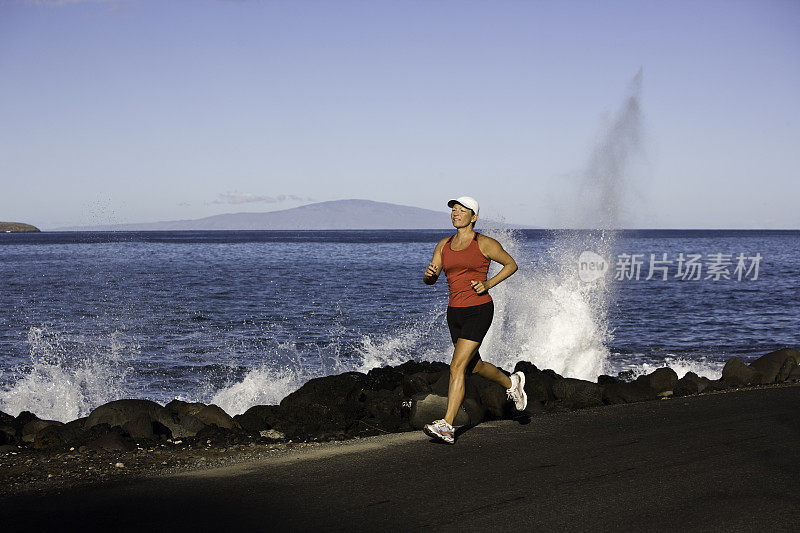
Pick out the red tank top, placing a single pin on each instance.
(461, 267)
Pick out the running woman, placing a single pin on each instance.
(465, 259)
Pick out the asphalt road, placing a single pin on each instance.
(715, 462)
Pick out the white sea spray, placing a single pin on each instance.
(702, 366)
(260, 386)
(66, 377)
(544, 313)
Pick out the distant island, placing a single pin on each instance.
(16, 227)
(332, 215)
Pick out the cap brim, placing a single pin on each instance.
(451, 203)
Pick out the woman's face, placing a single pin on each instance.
(461, 216)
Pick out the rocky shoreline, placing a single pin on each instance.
(139, 438)
(17, 227)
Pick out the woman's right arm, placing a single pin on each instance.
(432, 271)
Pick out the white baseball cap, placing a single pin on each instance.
(467, 201)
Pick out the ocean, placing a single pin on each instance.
(243, 318)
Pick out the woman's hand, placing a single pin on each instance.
(481, 287)
(431, 274)
(431, 271)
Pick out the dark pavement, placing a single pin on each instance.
(715, 462)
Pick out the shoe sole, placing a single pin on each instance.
(431, 433)
(522, 390)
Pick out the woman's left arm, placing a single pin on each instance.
(494, 251)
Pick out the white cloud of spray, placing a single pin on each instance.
(608, 176)
(602, 195)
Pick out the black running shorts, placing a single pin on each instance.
(470, 323)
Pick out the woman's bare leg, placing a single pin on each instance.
(464, 352)
(489, 371)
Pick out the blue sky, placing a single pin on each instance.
(135, 111)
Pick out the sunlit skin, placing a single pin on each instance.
(464, 220)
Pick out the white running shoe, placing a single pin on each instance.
(517, 391)
(440, 429)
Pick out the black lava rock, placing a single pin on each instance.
(258, 418)
(607, 380)
(577, 393)
(6, 419)
(775, 367)
(661, 380)
(627, 393)
(689, 384)
(736, 374)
